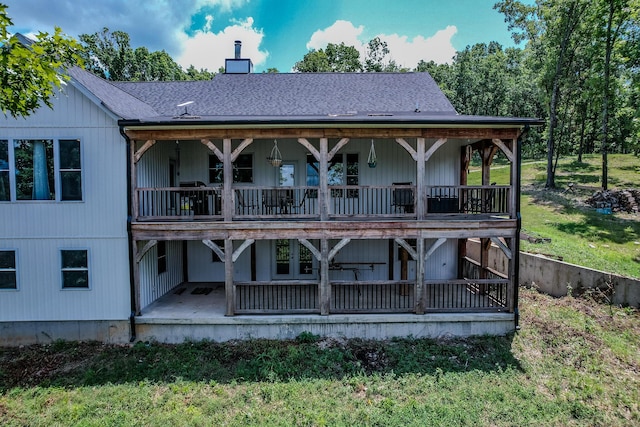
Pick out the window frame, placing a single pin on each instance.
(57, 171)
(9, 269)
(64, 269)
(6, 170)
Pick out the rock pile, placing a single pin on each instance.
(617, 200)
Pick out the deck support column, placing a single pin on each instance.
(227, 184)
(323, 191)
(485, 246)
(228, 277)
(421, 199)
(420, 260)
(325, 284)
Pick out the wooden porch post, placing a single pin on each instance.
(485, 246)
(323, 192)
(421, 199)
(134, 183)
(325, 284)
(227, 185)
(228, 276)
(419, 295)
(136, 276)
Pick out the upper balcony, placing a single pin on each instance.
(364, 203)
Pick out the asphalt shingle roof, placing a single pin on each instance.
(321, 98)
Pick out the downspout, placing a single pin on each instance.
(516, 270)
(132, 316)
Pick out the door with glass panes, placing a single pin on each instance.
(293, 260)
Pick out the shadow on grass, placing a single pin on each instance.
(68, 364)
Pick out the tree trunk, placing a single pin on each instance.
(605, 98)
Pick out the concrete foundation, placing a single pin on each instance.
(27, 333)
(222, 329)
(353, 326)
(555, 277)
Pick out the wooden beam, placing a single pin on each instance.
(410, 250)
(505, 249)
(316, 253)
(240, 132)
(337, 247)
(227, 185)
(421, 192)
(215, 248)
(337, 148)
(133, 247)
(421, 257)
(408, 147)
(314, 152)
(244, 144)
(145, 249)
(325, 284)
(439, 143)
(150, 143)
(324, 196)
(243, 246)
(507, 152)
(229, 288)
(215, 150)
(433, 247)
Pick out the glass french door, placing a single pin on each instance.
(293, 260)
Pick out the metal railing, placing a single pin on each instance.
(372, 297)
(276, 297)
(395, 201)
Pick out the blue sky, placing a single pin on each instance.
(274, 33)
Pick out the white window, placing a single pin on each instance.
(75, 268)
(8, 279)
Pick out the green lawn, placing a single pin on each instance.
(578, 233)
(574, 363)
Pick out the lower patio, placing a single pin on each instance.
(196, 311)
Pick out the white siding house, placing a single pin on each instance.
(123, 216)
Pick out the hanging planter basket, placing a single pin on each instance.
(372, 160)
(275, 159)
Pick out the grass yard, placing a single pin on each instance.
(579, 235)
(574, 363)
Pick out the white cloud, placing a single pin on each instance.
(408, 53)
(340, 31)
(404, 51)
(206, 49)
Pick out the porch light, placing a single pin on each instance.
(275, 158)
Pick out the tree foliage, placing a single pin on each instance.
(336, 58)
(31, 72)
(109, 54)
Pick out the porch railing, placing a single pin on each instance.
(273, 203)
(276, 297)
(179, 203)
(372, 297)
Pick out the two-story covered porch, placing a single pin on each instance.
(220, 230)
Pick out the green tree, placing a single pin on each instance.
(31, 72)
(554, 32)
(110, 55)
(335, 58)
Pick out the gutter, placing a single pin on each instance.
(132, 316)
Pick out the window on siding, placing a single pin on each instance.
(75, 269)
(8, 279)
(162, 256)
(70, 170)
(40, 167)
(34, 169)
(242, 169)
(5, 189)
